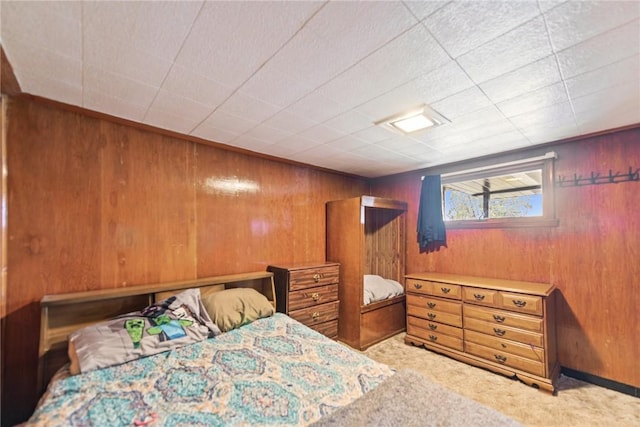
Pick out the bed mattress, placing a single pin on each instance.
(272, 371)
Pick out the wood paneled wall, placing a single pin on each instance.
(95, 204)
(592, 256)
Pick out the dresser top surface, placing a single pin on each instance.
(535, 288)
(304, 266)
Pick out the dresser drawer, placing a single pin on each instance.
(312, 296)
(506, 318)
(433, 288)
(481, 296)
(329, 329)
(504, 358)
(431, 326)
(434, 315)
(523, 303)
(436, 337)
(317, 314)
(530, 352)
(313, 276)
(437, 304)
(506, 332)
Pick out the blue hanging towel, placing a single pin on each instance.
(431, 231)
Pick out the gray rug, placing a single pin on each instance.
(410, 399)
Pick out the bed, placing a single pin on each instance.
(262, 368)
(366, 235)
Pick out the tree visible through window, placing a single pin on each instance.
(520, 195)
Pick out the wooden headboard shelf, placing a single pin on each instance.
(62, 314)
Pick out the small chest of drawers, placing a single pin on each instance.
(309, 294)
(502, 325)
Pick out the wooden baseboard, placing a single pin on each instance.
(602, 382)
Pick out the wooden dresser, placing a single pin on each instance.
(502, 325)
(309, 294)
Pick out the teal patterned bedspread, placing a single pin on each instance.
(274, 371)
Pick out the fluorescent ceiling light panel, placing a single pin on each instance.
(413, 123)
(414, 120)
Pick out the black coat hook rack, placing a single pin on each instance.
(597, 179)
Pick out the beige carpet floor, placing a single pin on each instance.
(577, 403)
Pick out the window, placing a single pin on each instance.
(515, 194)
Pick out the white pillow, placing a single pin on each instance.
(377, 288)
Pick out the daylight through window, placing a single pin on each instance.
(516, 194)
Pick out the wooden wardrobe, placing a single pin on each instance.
(366, 235)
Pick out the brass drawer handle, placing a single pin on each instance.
(433, 338)
(315, 296)
(478, 297)
(433, 327)
(499, 332)
(498, 319)
(431, 304)
(316, 277)
(431, 316)
(500, 358)
(445, 290)
(315, 315)
(417, 285)
(519, 303)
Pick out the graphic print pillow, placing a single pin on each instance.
(174, 322)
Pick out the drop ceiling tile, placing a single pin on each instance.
(463, 26)
(375, 134)
(408, 56)
(34, 23)
(358, 28)
(59, 90)
(422, 9)
(161, 27)
(109, 18)
(317, 106)
(531, 101)
(243, 105)
(347, 143)
(525, 79)
(402, 144)
(212, 133)
(434, 86)
(163, 119)
(98, 81)
(174, 105)
(349, 122)
(289, 121)
(277, 150)
(321, 134)
(195, 86)
(228, 122)
(43, 64)
(119, 57)
(242, 35)
(546, 5)
(297, 143)
(613, 74)
(268, 133)
(352, 88)
(125, 108)
(597, 52)
(558, 114)
(462, 103)
(576, 21)
(521, 46)
(308, 58)
(624, 95)
(548, 133)
(275, 87)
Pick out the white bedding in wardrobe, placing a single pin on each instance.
(377, 288)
